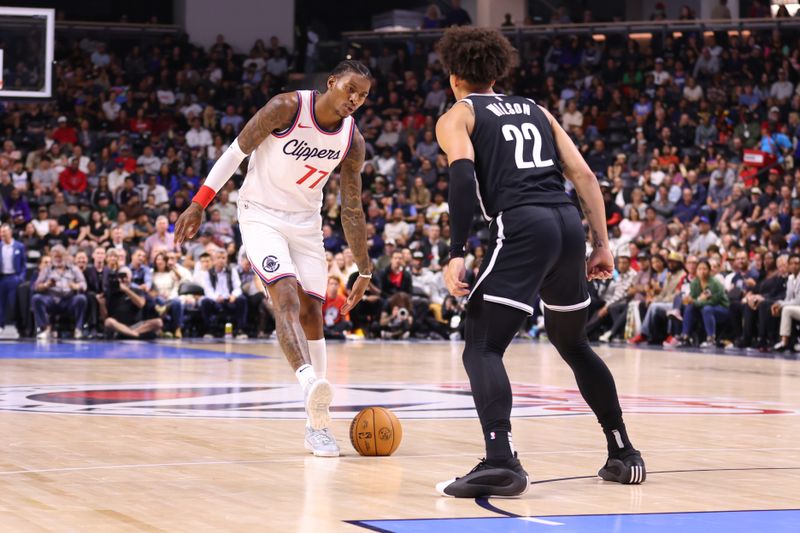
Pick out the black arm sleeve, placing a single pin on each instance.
(462, 204)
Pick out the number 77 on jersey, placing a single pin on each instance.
(311, 172)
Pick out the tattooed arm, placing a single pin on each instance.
(353, 221)
(276, 115)
(601, 262)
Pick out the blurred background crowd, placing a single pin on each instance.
(693, 137)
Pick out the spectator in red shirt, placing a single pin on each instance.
(64, 133)
(73, 182)
(395, 278)
(128, 162)
(141, 124)
(335, 323)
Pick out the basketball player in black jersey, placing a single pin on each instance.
(518, 156)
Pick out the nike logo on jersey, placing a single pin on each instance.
(303, 127)
(302, 150)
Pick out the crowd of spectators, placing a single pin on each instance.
(93, 181)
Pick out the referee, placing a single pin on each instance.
(513, 156)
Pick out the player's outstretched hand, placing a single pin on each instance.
(454, 276)
(188, 223)
(356, 293)
(600, 264)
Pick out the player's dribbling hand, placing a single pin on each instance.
(188, 223)
(356, 293)
(600, 264)
(454, 275)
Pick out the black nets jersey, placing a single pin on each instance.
(516, 159)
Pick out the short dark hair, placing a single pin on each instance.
(477, 55)
(349, 65)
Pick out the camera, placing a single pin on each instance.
(401, 322)
(114, 279)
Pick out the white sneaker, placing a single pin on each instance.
(321, 443)
(43, 335)
(241, 337)
(605, 337)
(78, 334)
(9, 332)
(319, 395)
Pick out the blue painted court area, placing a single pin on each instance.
(725, 521)
(113, 350)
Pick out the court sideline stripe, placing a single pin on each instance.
(490, 507)
(484, 503)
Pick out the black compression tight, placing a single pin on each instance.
(488, 331)
(567, 333)
(491, 327)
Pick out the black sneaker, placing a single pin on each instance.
(488, 480)
(628, 470)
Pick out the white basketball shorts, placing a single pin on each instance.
(280, 244)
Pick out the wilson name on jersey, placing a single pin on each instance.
(516, 159)
(290, 168)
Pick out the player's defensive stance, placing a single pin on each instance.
(518, 155)
(294, 142)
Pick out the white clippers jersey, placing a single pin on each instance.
(289, 169)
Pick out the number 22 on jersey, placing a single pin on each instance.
(527, 132)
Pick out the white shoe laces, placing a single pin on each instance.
(321, 437)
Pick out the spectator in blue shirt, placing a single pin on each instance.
(687, 209)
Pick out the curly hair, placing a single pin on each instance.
(477, 55)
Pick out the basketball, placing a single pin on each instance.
(375, 431)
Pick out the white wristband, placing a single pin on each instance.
(367, 276)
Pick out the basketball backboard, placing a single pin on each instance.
(26, 52)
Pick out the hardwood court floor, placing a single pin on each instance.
(208, 437)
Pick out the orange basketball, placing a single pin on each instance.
(375, 431)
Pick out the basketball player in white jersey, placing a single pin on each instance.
(294, 142)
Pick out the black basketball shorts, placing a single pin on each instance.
(535, 250)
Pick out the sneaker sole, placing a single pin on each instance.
(635, 475)
(444, 484)
(321, 453)
(318, 403)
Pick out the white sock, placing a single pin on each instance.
(305, 375)
(319, 357)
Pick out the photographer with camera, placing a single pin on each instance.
(396, 318)
(125, 308)
(59, 288)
